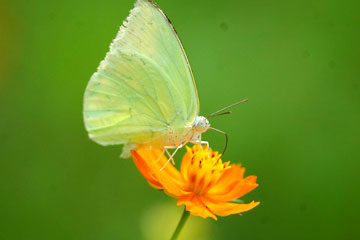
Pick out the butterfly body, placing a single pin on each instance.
(181, 136)
(173, 138)
(144, 93)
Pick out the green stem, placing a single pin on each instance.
(181, 224)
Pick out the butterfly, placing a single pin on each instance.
(144, 93)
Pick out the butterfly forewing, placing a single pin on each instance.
(144, 86)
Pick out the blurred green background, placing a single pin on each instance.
(297, 62)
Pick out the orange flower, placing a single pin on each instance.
(204, 184)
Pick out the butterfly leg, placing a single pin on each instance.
(163, 153)
(168, 153)
(198, 141)
(172, 156)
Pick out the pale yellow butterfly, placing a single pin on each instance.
(143, 93)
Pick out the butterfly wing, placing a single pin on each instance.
(144, 86)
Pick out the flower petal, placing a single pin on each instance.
(144, 169)
(150, 163)
(228, 180)
(175, 187)
(186, 162)
(226, 208)
(195, 206)
(236, 191)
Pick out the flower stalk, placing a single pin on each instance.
(180, 225)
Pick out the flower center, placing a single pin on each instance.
(205, 170)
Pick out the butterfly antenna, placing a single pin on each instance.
(219, 112)
(226, 139)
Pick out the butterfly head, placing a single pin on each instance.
(201, 124)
